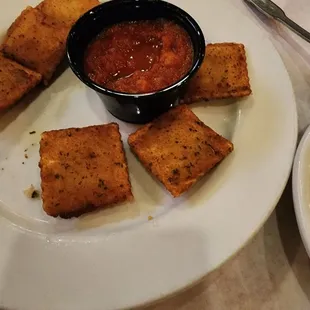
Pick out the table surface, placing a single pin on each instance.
(272, 270)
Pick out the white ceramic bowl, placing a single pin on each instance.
(301, 188)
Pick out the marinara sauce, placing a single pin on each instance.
(139, 56)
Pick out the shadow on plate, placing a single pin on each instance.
(111, 215)
(216, 102)
(71, 269)
(10, 115)
(96, 104)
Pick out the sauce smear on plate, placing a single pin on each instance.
(139, 56)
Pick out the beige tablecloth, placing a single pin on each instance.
(273, 270)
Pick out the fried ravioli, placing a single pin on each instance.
(83, 169)
(66, 12)
(15, 81)
(223, 74)
(178, 149)
(36, 44)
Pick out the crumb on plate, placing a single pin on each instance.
(31, 192)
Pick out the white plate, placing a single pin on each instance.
(301, 188)
(117, 258)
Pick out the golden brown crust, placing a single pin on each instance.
(34, 43)
(178, 148)
(83, 169)
(18, 20)
(223, 74)
(15, 81)
(66, 12)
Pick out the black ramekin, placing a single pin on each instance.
(133, 108)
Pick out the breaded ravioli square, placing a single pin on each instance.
(223, 74)
(36, 44)
(15, 81)
(83, 169)
(66, 12)
(178, 149)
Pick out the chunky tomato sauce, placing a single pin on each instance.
(139, 56)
